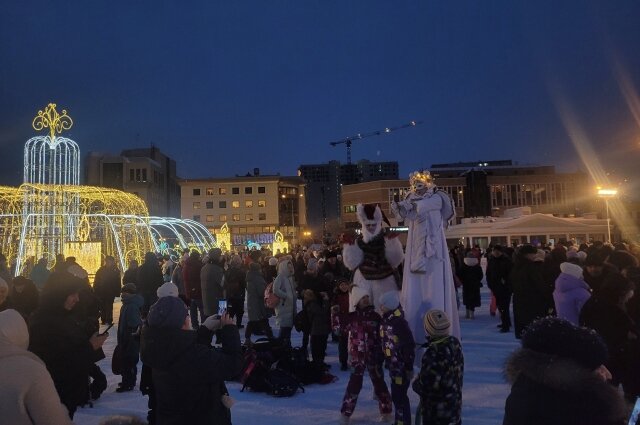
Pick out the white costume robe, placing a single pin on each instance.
(427, 281)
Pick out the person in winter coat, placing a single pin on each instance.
(27, 394)
(167, 268)
(398, 348)
(606, 312)
(317, 310)
(310, 280)
(106, 287)
(498, 271)
(129, 323)
(63, 344)
(5, 301)
(131, 274)
(189, 375)
(439, 384)
(339, 320)
(235, 286)
(570, 293)
(24, 296)
(256, 310)
(530, 293)
(40, 274)
(177, 277)
(193, 287)
(558, 378)
(366, 354)
(284, 288)
(149, 279)
(211, 282)
(471, 276)
(596, 269)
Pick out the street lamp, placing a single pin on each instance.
(607, 194)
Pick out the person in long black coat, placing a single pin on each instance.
(24, 296)
(149, 280)
(106, 286)
(62, 342)
(189, 375)
(557, 378)
(471, 276)
(531, 295)
(498, 270)
(606, 312)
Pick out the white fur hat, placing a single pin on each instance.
(357, 293)
(168, 289)
(571, 269)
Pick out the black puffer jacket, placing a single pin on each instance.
(189, 375)
(552, 390)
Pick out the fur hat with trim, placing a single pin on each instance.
(470, 259)
(357, 293)
(572, 270)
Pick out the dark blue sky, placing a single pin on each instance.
(224, 87)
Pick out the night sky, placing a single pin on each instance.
(226, 86)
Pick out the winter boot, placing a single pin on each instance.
(468, 315)
(471, 314)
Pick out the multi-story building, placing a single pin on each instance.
(253, 206)
(500, 185)
(145, 172)
(324, 186)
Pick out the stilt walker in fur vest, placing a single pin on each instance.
(374, 256)
(427, 281)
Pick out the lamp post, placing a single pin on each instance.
(607, 194)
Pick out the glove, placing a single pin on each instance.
(212, 323)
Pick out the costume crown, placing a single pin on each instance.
(423, 176)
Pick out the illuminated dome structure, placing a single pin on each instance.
(52, 213)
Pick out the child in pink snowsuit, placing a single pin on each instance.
(366, 354)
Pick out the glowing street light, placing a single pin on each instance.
(607, 194)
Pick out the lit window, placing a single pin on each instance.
(209, 191)
(248, 217)
(262, 204)
(248, 204)
(235, 190)
(235, 217)
(248, 190)
(262, 216)
(196, 205)
(223, 217)
(235, 204)
(196, 192)
(209, 218)
(209, 205)
(222, 191)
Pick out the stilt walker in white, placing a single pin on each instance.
(427, 282)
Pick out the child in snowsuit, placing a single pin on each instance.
(317, 310)
(440, 382)
(398, 348)
(366, 354)
(339, 318)
(129, 322)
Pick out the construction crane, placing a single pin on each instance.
(349, 140)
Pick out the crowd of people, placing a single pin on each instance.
(576, 310)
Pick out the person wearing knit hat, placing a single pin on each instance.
(441, 399)
(363, 328)
(356, 295)
(558, 377)
(398, 347)
(168, 289)
(27, 393)
(189, 374)
(571, 292)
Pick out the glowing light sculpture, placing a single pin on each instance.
(279, 244)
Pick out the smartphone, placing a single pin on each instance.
(106, 330)
(222, 307)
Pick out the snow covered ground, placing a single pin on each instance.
(484, 392)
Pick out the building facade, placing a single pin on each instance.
(254, 207)
(324, 188)
(145, 172)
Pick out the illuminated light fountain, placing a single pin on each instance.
(52, 213)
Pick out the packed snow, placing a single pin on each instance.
(484, 391)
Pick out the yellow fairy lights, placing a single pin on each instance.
(224, 238)
(51, 119)
(279, 245)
